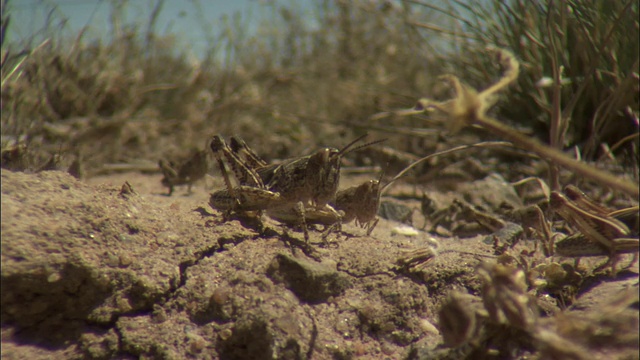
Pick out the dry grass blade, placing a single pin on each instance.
(16, 68)
(556, 156)
(445, 152)
(543, 185)
(443, 30)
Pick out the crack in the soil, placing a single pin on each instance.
(167, 296)
(314, 335)
(185, 265)
(361, 276)
(120, 335)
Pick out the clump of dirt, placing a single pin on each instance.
(108, 269)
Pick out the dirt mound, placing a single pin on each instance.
(105, 271)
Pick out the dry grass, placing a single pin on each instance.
(590, 49)
(140, 95)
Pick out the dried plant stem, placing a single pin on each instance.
(470, 107)
(559, 124)
(557, 157)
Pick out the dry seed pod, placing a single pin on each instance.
(417, 258)
(459, 317)
(504, 292)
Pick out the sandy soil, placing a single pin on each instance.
(90, 271)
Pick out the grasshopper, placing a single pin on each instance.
(628, 216)
(577, 245)
(361, 203)
(600, 232)
(293, 186)
(192, 170)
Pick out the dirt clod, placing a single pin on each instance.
(310, 281)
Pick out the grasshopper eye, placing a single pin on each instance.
(331, 153)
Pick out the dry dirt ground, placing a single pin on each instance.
(89, 271)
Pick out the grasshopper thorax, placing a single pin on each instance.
(323, 174)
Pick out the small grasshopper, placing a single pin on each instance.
(361, 203)
(187, 173)
(294, 185)
(600, 233)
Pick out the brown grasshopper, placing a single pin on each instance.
(578, 245)
(187, 173)
(294, 185)
(628, 216)
(600, 232)
(361, 203)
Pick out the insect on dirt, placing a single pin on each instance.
(600, 232)
(187, 173)
(297, 184)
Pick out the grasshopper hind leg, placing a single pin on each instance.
(300, 212)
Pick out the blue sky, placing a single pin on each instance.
(187, 19)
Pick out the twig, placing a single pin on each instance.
(470, 107)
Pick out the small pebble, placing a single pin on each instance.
(196, 343)
(55, 277)
(405, 230)
(225, 334)
(428, 327)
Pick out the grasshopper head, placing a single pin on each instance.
(323, 170)
(217, 143)
(324, 166)
(369, 189)
(325, 157)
